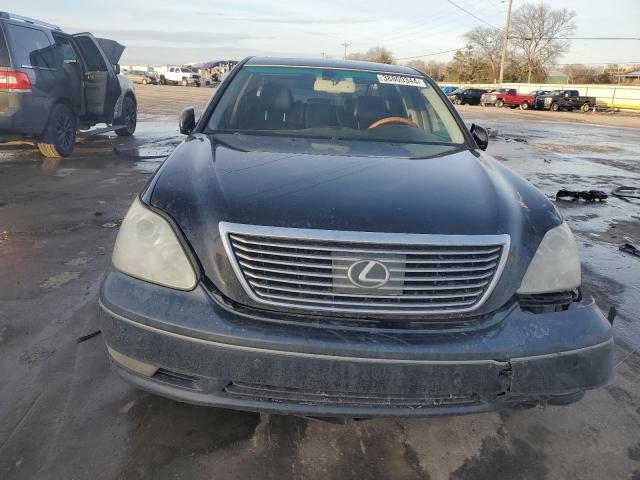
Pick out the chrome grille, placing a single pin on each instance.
(312, 269)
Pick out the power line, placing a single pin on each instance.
(429, 54)
(469, 13)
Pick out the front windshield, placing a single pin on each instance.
(334, 104)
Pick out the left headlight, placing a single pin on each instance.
(148, 249)
(556, 265)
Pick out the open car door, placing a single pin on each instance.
(101, 86)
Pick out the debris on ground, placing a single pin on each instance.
(588, 196)
(88, 336)
(111, 224)
(630, 248)
(625, 193)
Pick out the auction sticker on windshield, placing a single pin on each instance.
(402, 80)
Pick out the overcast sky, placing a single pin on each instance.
(179, 31)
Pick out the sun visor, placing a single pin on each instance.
(112, 49)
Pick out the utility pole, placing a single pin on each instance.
(345, 45)
(505, 42)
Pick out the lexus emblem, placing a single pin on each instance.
(368, 274)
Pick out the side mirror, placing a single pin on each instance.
(187, 121)
(480, 135)
(116, 68)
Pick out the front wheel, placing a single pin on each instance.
(144, 81)
(458, 101)
(555, 107)
(499, 103)
(184, 82)
(524, 106)
(162, 81)
(129, 118)
(59, 137)
(585, 108)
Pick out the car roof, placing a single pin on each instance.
(332, 63)
(31, 21)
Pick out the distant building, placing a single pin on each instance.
(628, 78)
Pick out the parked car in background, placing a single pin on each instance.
(330, 240)
(467, 96)
(139, 76)
(507, 96)
(447, 90)
(537, 93)
(177, 75)
(52, 84)
(565, 100)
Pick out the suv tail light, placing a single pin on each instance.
(15, 81)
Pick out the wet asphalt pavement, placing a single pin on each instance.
(65, 415)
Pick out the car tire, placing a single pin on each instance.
(585, 108)
(499, 103)
(524, 106)
(458, 101)
(144, 81)
(554, 107)
(59, 137)
(184, 82)
(162, 81)
(129, 118)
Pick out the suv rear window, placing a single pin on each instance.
(30, 47)
(5, 61)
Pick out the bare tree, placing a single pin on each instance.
(488, 42)
(376, 54)
(536, 34)
(433, 68)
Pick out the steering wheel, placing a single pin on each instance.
(387, 120)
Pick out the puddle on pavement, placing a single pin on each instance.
(154, 140)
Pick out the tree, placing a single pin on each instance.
(535, 32)
(433, 68)
(376, 54)
(488, 42)
(467, 66)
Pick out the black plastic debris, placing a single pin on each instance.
(588, 196)
(89, 336)
(630, 248)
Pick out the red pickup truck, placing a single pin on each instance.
(507, 96)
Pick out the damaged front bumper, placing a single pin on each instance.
(186, 346)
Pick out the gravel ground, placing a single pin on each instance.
(65, 415)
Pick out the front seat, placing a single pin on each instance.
(276, 103)
(368, 110)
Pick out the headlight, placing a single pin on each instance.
(555, 266)
(148, 249)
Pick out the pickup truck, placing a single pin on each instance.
(176, 75)
(564, 100)
(507, 96)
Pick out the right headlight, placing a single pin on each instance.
(148, 249)
(556, 265)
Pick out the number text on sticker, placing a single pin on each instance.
(402, 80)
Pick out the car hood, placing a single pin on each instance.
(333, 186)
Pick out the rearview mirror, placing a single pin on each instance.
(187, 121)
(480, 135)
(116, 68)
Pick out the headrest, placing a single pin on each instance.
(370, 107)
(276, 97)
